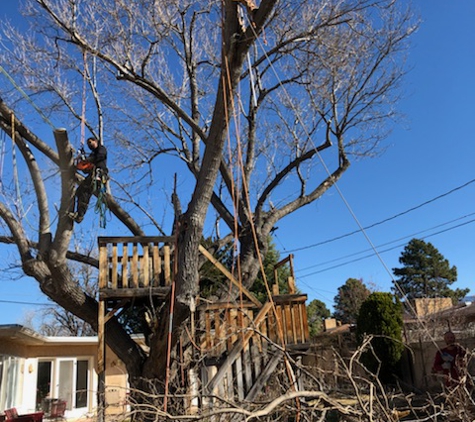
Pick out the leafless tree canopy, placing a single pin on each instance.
(259, 111)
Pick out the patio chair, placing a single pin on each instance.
(13, 416)
(57, 410)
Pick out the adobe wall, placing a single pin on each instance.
(418, 370)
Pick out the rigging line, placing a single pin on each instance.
(83, 111)
(253, 228)
(2, 157)
(322, 161)
(16, 178)
(324, 242)
(27, 97)
(340, 193)
(387, 243)
(386, 250)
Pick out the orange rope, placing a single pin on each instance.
(280, 330)
(83, 111)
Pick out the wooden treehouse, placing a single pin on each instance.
(240, 343)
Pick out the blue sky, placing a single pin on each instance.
(429, 159)
(428, 156)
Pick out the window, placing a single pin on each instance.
(10, 381)
(63, 378)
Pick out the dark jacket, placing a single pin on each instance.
(98, 157)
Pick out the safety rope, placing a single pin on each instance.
(27, 97)
(2, 157)
(84, 99)
(16, 178)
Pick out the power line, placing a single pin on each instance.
(383, 251)
(387, 243)
(25, 303)
(324, 242)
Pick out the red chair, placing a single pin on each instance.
(57, 410)
(12, 415)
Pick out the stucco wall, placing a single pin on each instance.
(421, 358)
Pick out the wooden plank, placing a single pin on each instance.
(103, 267)
(298, 323)
(101, 361)
(125, 264)
(294, 311)
(292, 287)
(101, 364)
(229, 329)
(224, 305)
(114, 266)
(289, 334)
(247, 362)
(159, 292)
(134, 267)
(235, 352)
(303, 316)
(280, 325)
(135, 239)
(230, 383)
(157, 265)
(145, 266)
(218, 329)
(264, 376)
(289, 298)
(239, 378)
(234, 325)
(208, 341)
(228, 275)
(256, 356)
(167, 265)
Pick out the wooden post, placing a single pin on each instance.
(101, 365)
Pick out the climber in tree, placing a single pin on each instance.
(95, 165)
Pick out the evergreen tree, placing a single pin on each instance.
(381, 315)
(349, 299)
(425, 273)
(316, 312)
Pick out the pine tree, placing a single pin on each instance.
(426, 273)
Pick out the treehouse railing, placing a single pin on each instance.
(134, 266)
(223, 324)
(243, 343)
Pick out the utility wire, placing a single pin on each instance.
(324, 242)
(388, 243)
(26, 303)
(383, 251)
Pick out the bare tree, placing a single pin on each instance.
(262, 107)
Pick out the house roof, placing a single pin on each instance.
(29, 337)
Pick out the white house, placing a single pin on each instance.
(35, 369)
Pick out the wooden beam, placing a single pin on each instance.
(236, 351)
(264, 376)
(225, 271)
